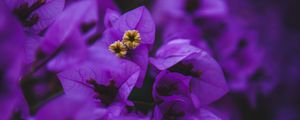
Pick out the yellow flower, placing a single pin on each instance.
(118, 48)
(131, 39)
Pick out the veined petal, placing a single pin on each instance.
(111, 16)
(48, 13)
(138, 19)
(172, 53)
(208, 82)
(102, 67)
(65, 38)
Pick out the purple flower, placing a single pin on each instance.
(207, 82)
(176, 108)
(102, 77)
(65, 43)
(180, 108)
(242, 61)
(36, 15)
(131, 36)
(167, 85)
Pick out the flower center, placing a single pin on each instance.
(185, 69)
(131, 39)
(106, 94)
(23, 12)
(118, 48)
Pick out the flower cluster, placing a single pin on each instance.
(93, 59)
(131, 39)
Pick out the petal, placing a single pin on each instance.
(134, 72)
(140, 57)
(73, 54)
(48, 13)
(103, 6)
(128, 85)
(176, 104)
(111, 16)
(60, 30)
(137, 19)
(67, 37)
(211, 85)
(31, 46)
(103, 67)
(60, 108)
(165, 78)
(172, 53)
(213, 9)
(204, 114)
(12, 40)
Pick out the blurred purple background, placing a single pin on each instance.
(256, 43)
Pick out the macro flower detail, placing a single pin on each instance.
(131, 39)
(102, 78)
(118, 48)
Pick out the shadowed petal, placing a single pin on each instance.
(207, 83)
(64, 40)
(172, 53)
(48, 13)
